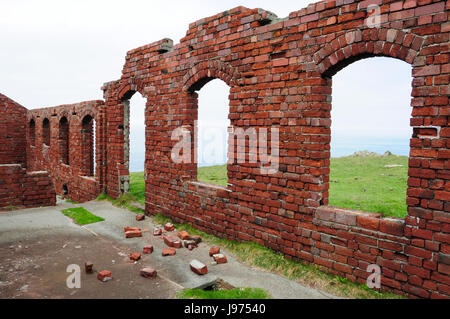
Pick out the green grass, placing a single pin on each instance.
(125, 201)
(238, 293)
(364, 183)
(213, 174)
(359, 183)
(137, 187)
(82, 216)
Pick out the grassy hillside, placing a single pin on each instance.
(373, 183)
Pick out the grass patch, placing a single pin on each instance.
(364, 183)
(238, 293)
(71, 201)
(359, 183)
(213, 174)
(82, 216)
(125, 201)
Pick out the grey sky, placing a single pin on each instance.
(57, 52)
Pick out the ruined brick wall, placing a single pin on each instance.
(12, 132)
(19, 188)
(65, 149)
(280, 75)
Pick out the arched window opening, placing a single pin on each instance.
(370, 136)
(212, 133)
(134, 143)
(32, 133)
(88, 146)
(46, 132)
(64, 140)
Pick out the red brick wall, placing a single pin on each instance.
(67, 157)
(280, 75)
(12, 132)
(19, 188)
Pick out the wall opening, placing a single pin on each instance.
(370, 136)
(212, 132)
(88, 146)
(134, 143)
(46, 132)
(32, 133)
(64, 140)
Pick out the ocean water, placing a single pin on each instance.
(340, 146)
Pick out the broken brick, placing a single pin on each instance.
(104, 276)
(184, 235)
(214, 251)
(88, 266)
(148, 273)
(169, 252)
(188, 243)
(133, 234)
(172, 242)
(220, 259)
(198, 267)
(135, 256)
(169, 227)
(157, 232)
(148, 250)
(140, 217)
(196, 238)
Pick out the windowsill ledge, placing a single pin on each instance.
(208, 189)
(360, 219)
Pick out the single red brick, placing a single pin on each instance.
(133, 234)
(214, 251)
(148, 250)
(220, 259)
(135, 256)
(169, 252)
(104, 276)
(172, 241)
(184, 235)
(148, 273)
(169, 227)
(140, 217)
(198, 267)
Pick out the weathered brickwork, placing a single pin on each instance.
(12, 127)
(280, 76)
(19, 188)
(67, 152)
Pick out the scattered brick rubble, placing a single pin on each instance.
(184, 235)
(169, 227)
(220, 259)
(104, 276)
(148, 250)
(198, 267)
(135, 256)
(214, 251)
(169, 252)
(172, 241)
(88, 266)
(149, 273)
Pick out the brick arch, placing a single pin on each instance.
(205, 71)
(85, 112)
(357, 44)
(127, 90)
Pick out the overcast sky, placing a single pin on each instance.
(61, 52)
